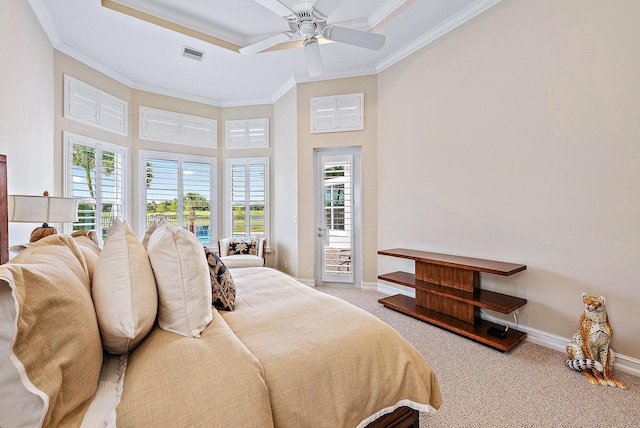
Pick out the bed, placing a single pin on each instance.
(285, 356)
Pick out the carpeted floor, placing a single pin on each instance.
(528, 387)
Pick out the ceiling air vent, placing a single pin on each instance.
(192, 53)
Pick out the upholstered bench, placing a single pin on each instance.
(242, 252)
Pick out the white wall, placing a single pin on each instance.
(285, 184)
(515, 138)
(26, 107)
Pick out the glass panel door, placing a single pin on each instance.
(334, 216)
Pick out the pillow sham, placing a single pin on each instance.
(243, 247)
(49, 367)
(182, 278)
(223, 289)
(89, 245)
(124, 291)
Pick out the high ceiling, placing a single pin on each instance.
(140, 42)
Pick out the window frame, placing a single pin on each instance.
(229, 199)
(182, 123)
(70, 139)
(143, 155)
(104, 103)
(335, 108)
(244, 141)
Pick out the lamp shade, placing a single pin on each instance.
(42, 209)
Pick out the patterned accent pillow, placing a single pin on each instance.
(243, 248)
(223, 289)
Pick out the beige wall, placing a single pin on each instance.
(307, 142)
(515, 138)
(26, 107)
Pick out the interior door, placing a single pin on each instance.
(337, 193)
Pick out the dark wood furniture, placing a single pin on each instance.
(4, 219)
(402, 417)
(448, 294)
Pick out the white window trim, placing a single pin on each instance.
(337, 98)
(70, 139)
(177, 119)
(181, 158)
(264, 144)
(228, 215)
(70, 82)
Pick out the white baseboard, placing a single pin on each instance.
(623, 363)
(307, 282)
(371, 286)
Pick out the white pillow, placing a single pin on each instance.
(182, 277)
(124, 291)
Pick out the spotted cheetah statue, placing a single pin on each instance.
(589, 349)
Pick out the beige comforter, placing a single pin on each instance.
(287, 356)
(326, 363)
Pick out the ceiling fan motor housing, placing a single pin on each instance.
(307, 22)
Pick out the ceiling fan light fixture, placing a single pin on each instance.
(307, 30)
(314, 59)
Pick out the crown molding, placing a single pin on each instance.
(175, 94)
(384, 11)
(457, 20)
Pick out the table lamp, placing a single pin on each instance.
(46, 209)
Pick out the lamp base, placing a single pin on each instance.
(41, 232)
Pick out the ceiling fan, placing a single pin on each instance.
(308, 22)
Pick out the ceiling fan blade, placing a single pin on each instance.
(326, 7)
(314, 59)
(276, 7)
(364, 39)
(266, 43)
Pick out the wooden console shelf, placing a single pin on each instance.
(448, 294)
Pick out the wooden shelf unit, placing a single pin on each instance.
(448, 294)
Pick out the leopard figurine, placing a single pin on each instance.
(589, 349)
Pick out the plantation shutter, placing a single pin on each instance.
(337, 113)
(176, 128)
(248, 187)
(95, 173)
(244, 134)
(180, 189)
(84, 103)
(162, 190)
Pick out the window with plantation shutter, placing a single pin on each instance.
(176, 128)
(181, 189)
(95, 173)
(247, 134)
(247, 196)
(84, 103)
(337, 113)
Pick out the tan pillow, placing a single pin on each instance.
(124, 291)
(182, 277)
(90, 247)
(50, 350)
